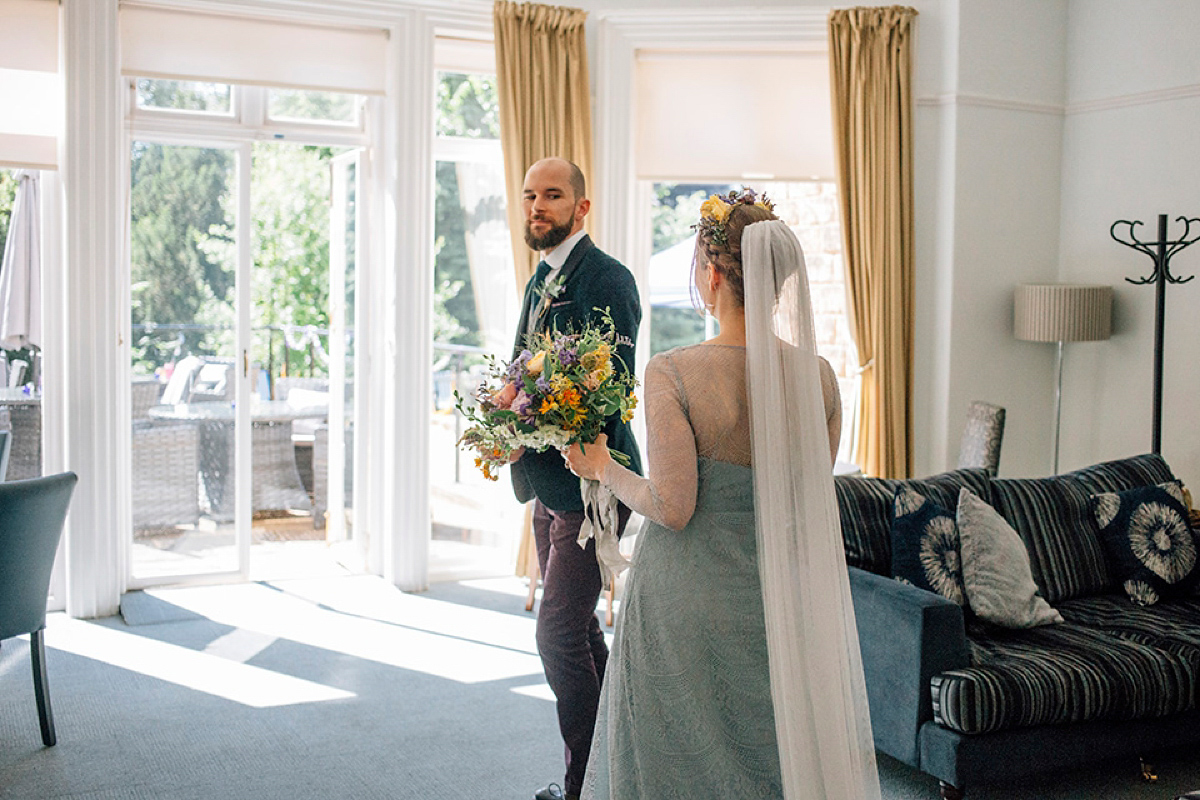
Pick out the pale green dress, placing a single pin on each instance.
(686, 709)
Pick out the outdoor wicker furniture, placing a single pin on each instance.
(320, 468)
(275, 483)
(21, 413)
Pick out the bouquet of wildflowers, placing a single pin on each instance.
(560, 390)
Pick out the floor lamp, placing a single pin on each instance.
(1060, 312)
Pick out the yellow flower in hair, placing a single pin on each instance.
(715, 208)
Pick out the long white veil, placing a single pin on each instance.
(821, 717)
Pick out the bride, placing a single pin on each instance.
(736, 670)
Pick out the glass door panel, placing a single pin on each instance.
(301, 284)
(183, 262)
(476, 522)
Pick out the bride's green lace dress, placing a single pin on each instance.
(686, 707)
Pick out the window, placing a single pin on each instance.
(475, 521)
(190, 96)
(308, 106)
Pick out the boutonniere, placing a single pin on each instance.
(549, 293)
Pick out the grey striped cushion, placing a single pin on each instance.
(1063, 673)
(865, 509)
(1125, 473)
(1052, 517)
(1172, 626)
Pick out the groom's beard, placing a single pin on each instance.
(550, 239)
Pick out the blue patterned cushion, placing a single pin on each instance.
(1151, 547)
(865, 510)
(925, 551)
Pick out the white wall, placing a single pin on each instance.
(987, 216)
(1130, 141)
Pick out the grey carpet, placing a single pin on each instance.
(439, 695)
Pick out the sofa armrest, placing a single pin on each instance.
(907, 636)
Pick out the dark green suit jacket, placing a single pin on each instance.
(592, 280)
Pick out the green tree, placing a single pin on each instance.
(453, 292)
(181, 249)
(467, 106)
(183, 95)
(290, 221)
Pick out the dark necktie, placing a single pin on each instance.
(539, 277)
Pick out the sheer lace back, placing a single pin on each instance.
(716, 376)
(697, 407)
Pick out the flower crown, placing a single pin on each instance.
(715, 211)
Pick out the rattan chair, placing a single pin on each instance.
(31, 521)
(320, 467)
(165, 465)
(24, 421)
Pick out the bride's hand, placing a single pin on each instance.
(589, 460)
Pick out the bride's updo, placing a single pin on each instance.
(723, 219)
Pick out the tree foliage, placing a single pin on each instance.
(467, 106)
(181, 257)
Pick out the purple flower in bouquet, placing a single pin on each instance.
(517, 368)
(543, 385)
(567, 355)
(522, 404)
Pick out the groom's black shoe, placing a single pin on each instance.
(553, 792)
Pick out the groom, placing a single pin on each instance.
(573, 280)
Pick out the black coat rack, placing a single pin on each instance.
(1160, 251)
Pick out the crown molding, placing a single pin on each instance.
(1070, 109)
(1137, 99)
(984, 101)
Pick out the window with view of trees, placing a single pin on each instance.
(192, 96)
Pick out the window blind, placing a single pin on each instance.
(172, 44)
(31, 95)
(728, 116)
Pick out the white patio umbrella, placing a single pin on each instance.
(21, 271)
(671, 275)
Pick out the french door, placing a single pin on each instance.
(242, 355)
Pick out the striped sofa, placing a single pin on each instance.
(971, 703)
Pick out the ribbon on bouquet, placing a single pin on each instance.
(600, 522)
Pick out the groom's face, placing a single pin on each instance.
(552, 212)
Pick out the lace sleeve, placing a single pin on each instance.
(668, 495)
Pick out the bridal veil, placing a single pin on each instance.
(817, 687)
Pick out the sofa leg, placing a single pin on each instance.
(950, 792)
(1149, 773)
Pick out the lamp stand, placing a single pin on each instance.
(1057, 403)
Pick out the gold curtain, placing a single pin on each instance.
(545, 104)
(871, 86)
(545, 110)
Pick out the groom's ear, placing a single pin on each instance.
(582, 208)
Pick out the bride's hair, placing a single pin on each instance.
(722, 247)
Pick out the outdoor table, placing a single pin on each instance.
(275, 483)
(24, 412)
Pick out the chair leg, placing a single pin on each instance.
(533, 584)
(950, 792)
(41, 687)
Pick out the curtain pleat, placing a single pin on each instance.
(870, 51)
(545, 110)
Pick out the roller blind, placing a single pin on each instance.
(182, 45)
(730, 116)
(31, 97)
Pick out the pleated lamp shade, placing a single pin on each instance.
(1062, 312)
